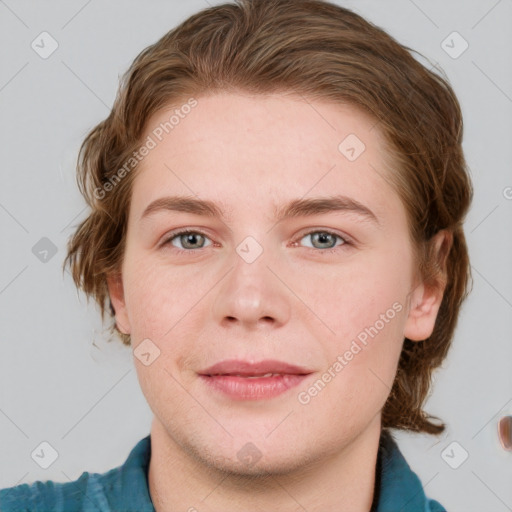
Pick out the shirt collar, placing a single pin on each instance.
(399, 487)
(133, 479)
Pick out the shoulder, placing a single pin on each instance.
(434, 506)
(122, 488)
(90, 492)
(45, 496)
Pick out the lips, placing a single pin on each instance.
(242, 380)
(260, 369)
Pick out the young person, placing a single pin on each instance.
(277, 200)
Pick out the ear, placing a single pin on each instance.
(116, 293)
(427, 295)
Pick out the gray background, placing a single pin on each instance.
(61, 382)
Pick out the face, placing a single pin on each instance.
(270, 330)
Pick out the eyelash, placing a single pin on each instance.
(346, 241)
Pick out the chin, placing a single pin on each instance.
(250, 462)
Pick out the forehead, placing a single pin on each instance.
(228, 119)
(276, 147)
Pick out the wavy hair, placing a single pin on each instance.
(320, 51)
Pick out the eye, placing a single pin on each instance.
(324, 240)
(187, 240)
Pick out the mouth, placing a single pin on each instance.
(242, 380)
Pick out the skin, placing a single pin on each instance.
(296, 303)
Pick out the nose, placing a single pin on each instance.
(251, 296)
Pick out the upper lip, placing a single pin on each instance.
(239, 367)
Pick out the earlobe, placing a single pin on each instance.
(116, 293)
(426, 297)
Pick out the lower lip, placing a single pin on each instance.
(243, 388)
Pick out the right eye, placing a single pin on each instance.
(187, 239)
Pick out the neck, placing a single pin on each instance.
(343, 480)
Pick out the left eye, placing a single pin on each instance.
(188, 240)
(323, 239)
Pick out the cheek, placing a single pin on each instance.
(360, 370)
(354, 297)
(367, 342)
(161, 298)
(365, 308)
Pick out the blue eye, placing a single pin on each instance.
(188, 240)
(324, 239)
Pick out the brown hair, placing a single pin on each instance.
(321, 51)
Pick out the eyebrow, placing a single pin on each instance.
(295, 208)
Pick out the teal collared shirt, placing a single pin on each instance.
(125, 489)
